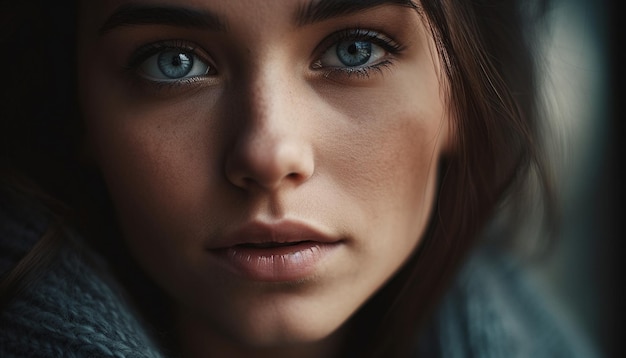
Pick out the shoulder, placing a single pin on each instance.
(495, 308)
(70, 310)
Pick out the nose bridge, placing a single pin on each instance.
(270, 98)
(271, 147)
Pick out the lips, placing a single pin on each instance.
(284, 251)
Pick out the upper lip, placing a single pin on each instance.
(283, 232)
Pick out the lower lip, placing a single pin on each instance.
(277, 264)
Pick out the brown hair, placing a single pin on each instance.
(486, 49)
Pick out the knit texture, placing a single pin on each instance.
(70, 311)
(496, 309)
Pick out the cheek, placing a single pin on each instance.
(390, 153)
(158, 159)
(384, 181)
(394, 181)
(387, 170)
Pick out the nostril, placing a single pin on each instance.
(296, 177)
(269, 161)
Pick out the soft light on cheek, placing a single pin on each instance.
(390, 149)
(389, 179)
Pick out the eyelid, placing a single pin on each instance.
(376, 37)
(144, 52)
(341, 73)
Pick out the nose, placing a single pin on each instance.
(272, 147)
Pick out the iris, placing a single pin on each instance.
(354, 53)
(175, 64)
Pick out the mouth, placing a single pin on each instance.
(270, 245)
(281, 252)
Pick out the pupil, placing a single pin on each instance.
(352, 49)
(176, 61)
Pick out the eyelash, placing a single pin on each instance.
(143, 53)
(388, 45)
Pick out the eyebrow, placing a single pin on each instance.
(320, 10)
(313, 11)
(132, 14)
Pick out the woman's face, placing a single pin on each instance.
(273, 163)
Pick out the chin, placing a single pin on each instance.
(280, 333)
(281, 325)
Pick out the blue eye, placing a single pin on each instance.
(357, 51)
(173, 64)
(354, 53)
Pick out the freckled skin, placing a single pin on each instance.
(268, 138)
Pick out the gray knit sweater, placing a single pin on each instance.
(71, 310)
(491, 311)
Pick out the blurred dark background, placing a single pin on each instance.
(584, 83)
